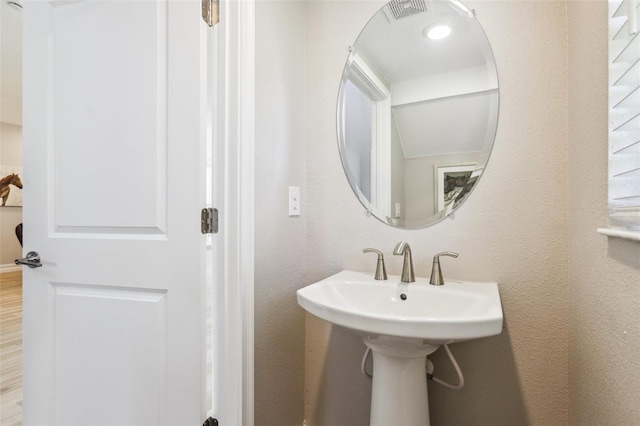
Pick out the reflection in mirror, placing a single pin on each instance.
(417, 111)
(11, 177)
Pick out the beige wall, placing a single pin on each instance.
(280, 240)
(604, 273)
(10, 217)
(512, 230)
(568, 354)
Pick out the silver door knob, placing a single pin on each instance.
(32, 260)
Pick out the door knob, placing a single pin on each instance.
(32, 260)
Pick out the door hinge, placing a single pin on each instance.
(209, 221)
(210, 12)
(210, 422)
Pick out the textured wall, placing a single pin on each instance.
(10, 217)
(604, 273)
(280, 240)
(513, 229)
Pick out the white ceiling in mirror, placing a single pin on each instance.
(400, 60)
(10, 63)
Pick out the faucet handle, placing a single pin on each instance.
(436, 271)
(381, 271)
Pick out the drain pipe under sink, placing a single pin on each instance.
(430, 369)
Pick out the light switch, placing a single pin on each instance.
(294, 201)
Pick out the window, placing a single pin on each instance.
(624, 120)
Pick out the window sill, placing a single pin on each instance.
(620, 233)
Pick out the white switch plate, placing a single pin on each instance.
(294, 201)
(398, 211)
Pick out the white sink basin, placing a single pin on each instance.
(402, 323)
(450, 313)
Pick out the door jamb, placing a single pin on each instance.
(233, 187)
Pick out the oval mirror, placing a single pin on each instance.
(417, 111)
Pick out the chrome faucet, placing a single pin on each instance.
(436, 271)
(381, 271)
(403, 248)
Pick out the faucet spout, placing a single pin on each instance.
(403, 248)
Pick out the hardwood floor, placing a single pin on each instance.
(11, 348)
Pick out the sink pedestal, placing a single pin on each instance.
(399, 395)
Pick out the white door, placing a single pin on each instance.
(113, 137)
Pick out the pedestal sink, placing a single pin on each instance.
(402, 324)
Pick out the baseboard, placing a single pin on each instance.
(10, 268)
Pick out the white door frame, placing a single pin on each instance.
(233, 62)
(363, 77)
(233, 117)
